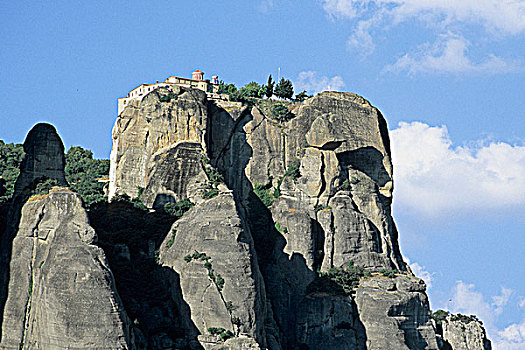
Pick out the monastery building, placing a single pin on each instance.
(197, 82)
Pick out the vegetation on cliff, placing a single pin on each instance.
(11, 156)
(83, 173)
(253, 90)
(345, 277)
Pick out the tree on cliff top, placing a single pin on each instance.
(269, 87)
(284, 89)
(250, 90)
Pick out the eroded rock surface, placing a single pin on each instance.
(44, 158)
(309, 194)
(154, 124)
(61, 291)
(464, 334)
(329, 172)
(395, 313)
(213, 254)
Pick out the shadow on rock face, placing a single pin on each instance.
(367, 160)
(130, 238)
(286, 277)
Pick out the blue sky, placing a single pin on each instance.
(447, 75)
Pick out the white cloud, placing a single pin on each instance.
(467, 300)
(499, 301)
(506, 16)
(496, 18)
(421, 272)
(361, 40)
(449, 55)
(522, 302)
(266, 5)
(511, 338)
(435, 177)
(314, 83)
(340, 8)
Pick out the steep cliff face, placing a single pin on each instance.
(213, 254)
(463, 333)
(44, 158)
(340, 143)
(147, 135)
(57, 288)
(61, 291)
(269, 230)
(310, 194)
(395, 313)
(330, 173)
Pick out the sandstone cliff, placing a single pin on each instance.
(264, 231)
(310, 194)
(61, 291)
(57, 288)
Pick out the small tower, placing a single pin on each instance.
(197, 75)
(215, 79)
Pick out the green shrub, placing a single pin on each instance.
(168, 97)
(281, 230)
(439, 316)
(269, 87)
(236, 321)
(279, 112)
(44, 185)
(319, 207)
(137, 203)
(83, 174)
(230, 90)
(284, 89)
(347, 278)
(264, 194)
(221, 332)
(169, 243)
(210, 193)
(464, 318)
(200, 256)
(219, 281)
(229, 306)
(226, 335)
(196, 256)
(252, 90)
(300, 97)
(11, 156)
(214, 178)
(179, 208)
(292, 171)
(388, 273)
(345, 186)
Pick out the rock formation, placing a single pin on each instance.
(61, 291)
(395, 313)
(313, 193)
(58, 290)
(215, 258)
(142, 138)
(289, 242)
(44, 158)
(460, 332)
